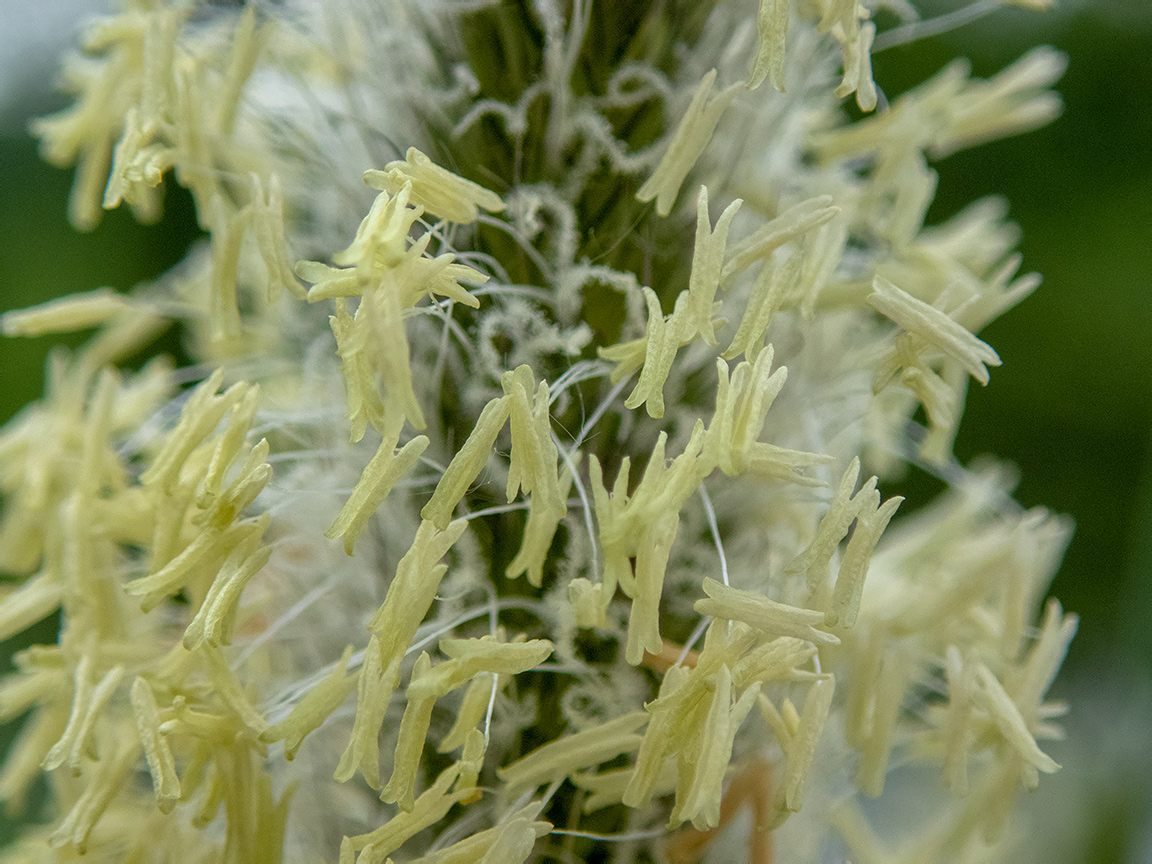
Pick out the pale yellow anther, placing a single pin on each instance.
(471, 764)
(707, 263)
(211, 545)
(780, 659)
(410, 743)
(532, 463)
(473, 708)
(227, 227)
(437, 190)
(105, 783)
(239, 421)
(772, 285)
(857, 51)
(699, 803)
(409, 597)
(834, 526)
(570, 753)
(33, 601)
(771, 36)
(373, 694)
(663, 340)
(801, 749)
(247, 41)
(384, 321)
(687, 143)
(470, 657)
(772, 618)
(250, 480)
(1006, 715)
(215, 620)
(886, 696)
(364, 403)
(958, 725)
(871, 520)
(74, 312)
(934, 326)
(509, 842)
(1014, 100)
(88, 701)
(658, 741)
(427, 810)
(380, 475)
(382, 235)
(198, 419)
(229, 691)
(655, 546)
(161, 763)
(314, 708)
(467, 464)
(742, 405)
(793, 224)
(271, 242)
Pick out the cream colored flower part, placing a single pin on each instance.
(771, 36)
(438, 191)
(74, 312)
(687, 143)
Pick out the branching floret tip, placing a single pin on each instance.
(523, 496)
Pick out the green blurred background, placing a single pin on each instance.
(1071, 406)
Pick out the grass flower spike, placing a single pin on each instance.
(554, 290)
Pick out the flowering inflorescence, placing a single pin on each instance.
(312, 557)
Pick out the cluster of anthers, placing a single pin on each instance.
(215, 652)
